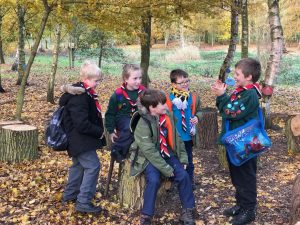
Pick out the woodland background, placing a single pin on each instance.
(42, 44)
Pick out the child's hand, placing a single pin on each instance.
(218, 88)
(113, 136)
(194, 120)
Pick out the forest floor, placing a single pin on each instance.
(31, 191)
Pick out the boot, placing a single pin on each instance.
(187, 217)
(244, 217)
(87, 208)
(117, 156)
(233, 211)
(145, 220)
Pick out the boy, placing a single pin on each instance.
(83, 124)
(245, 100)
(186, 109)
(161, 152)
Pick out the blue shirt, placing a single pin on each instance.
(185, 136)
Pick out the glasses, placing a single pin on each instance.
(184, 83)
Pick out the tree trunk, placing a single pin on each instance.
(245, 29)
(233, 41)
(21, 42)
(51, 82)
(167, 35)
(181, 30)
(145, 46)
(21, 92)
(295, 206)
(18, 143)
(2, 61)
(208, 128)
(292, 132)
(101, 45)
(273, 65)
(131, 189)
(1, 88)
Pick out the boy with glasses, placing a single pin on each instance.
(187, 112)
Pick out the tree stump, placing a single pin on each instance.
(222, 157)
(208, 128)
(131, 189)
(11, 122)
(292, 131)
(18, 142)
(295, 207)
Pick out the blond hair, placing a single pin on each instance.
(89, 69)
(128, 68)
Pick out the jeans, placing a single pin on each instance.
(83, 177)
(181, 177)
(190, 167)
(125, 137)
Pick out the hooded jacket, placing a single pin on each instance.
(145, 148)
(83, 126)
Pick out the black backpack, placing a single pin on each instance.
(55, 135)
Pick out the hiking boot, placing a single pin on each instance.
(244, 217)
(145, 220)
(117, 156)
(187, 216)
(71, 198)
(233, 211)
(87, 208)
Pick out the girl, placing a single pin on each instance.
(121, 106)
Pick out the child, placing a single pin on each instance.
(83, 124)
(121, 106)
(161, 152)
(246, 103)
(186, 109)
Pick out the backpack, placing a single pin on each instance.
(55, 135)
(133, 123)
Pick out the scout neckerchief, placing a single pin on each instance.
(122, 91)
(163, 137)
(235, 93)
(181, 102)
(92, 93)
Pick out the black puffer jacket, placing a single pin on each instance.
(83, 126)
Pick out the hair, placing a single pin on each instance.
(152, 97)
(175, 74)
(89, 69)
(128, 68)
(249, 67)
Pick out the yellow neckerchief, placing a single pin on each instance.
(182, 95)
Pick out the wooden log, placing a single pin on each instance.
(292, 132)
(131, 189)
(208, 128)
(295, 203)
(18, 142)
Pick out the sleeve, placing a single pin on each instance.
(183, 158)
(79, 111)
(110, 114)
(249, 100)
(222, 100)
(143, 138)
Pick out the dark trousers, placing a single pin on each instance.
(190, 167)
(243, 179)
(125, 137)
(153, 182)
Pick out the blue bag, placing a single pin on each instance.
(55, 135)
(247, 141)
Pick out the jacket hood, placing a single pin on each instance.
(65, 98)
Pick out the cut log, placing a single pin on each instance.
(295, 207)
(222, 157)
(131, 189)
(208, 128)
(18, 142)
(292, 132)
